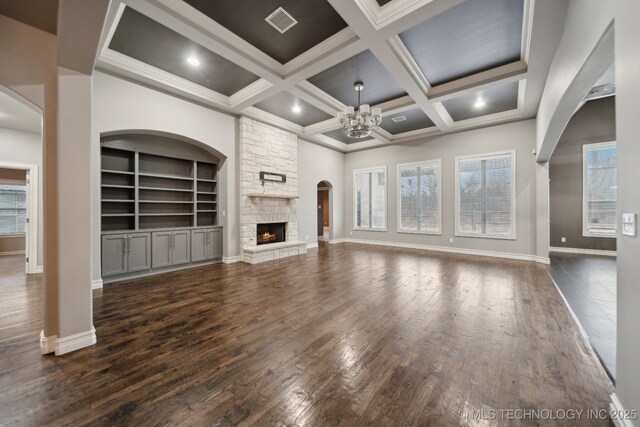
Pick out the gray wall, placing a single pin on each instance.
(519, 136)
(26, 147)
(627, 34)
(317, 164)
(594, 122)
(123, 105)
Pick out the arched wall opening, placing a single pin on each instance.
(325, 211)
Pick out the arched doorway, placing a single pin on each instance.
(324, 211)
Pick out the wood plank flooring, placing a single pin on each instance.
(345, 335)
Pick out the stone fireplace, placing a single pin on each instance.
(268, 206)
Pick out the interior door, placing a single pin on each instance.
(181, 247)
(319, 216)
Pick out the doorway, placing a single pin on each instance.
(20, 159)
(583, 218)
(324, 220)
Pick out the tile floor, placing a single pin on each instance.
(589, 285)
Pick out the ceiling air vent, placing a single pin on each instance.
(397, 119)
(281, 20)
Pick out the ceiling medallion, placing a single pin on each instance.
(362, 122)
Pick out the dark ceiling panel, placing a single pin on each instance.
(383, 2)
(497, 99)
(282, 106)
(415, 119)
(146, 40)
(338, 81)
(474, 36)
(340, 136)
(42, 14)
(317, 21)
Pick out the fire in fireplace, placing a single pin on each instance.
(271, 233)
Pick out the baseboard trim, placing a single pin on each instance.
(47, 344)
(12, 253)
(231, 259)
(39, 269)
(334, 241)
(461, 251)
(97, 284)
(580, 251)
(75, 342)
(312, 245)
(616, 407)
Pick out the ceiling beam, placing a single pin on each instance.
(384, 52)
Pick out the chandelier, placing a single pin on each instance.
(362, 122)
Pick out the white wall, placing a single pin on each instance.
(588, 24)
(123, 105)
(315, 164)
(627, 35)
(519, 136)
(26, 147)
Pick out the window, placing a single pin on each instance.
(13, 209)
(485, 195)
(419, 197)
(600, 173)
(370, 198)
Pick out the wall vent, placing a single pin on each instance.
(281, 20)
(397, 119)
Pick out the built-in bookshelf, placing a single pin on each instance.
(143, 191)
(206, 194)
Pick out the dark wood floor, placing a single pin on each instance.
(345, 335)
(589, 285)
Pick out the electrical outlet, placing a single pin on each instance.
(306, 237)
(351, 233)
(563, 240)
(224, 213)
(450, 239)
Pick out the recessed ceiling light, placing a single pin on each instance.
(296, 109)
(397, 119)
(192, 60)
(479, 103)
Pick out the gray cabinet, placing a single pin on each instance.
(206, 244)
(125, 253)
(171, 248)
(114, 254)
(215, 243)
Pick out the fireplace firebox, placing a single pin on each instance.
(271, 233)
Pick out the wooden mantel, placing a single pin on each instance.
(272, 196)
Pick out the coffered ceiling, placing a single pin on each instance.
(433, 66)
(144, 39)
(317, 21)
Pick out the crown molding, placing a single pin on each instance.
(111, 60)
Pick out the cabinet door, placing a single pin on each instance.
(198, 245)
(114, 254)
(161, 249)
(215, 243)
(139, 252)
(181, 247)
